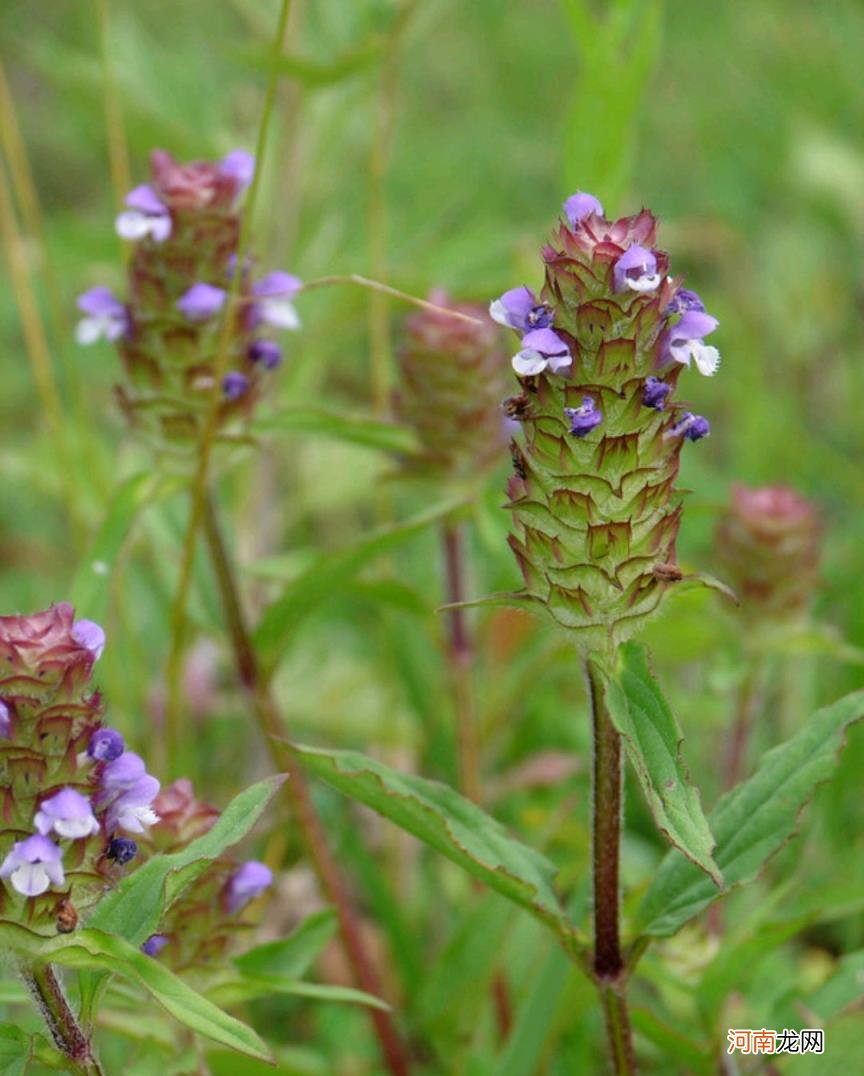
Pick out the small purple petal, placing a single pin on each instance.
(267, 352)
(637, 269)
(581, 205)
(546, 342)
(33, 865)
(240, 166)
(694, 325)
(655, 392)
(201, 302)
(513, 308)
(234, 385)
(5, 722)
(105, 745)
(133, 810)
(145, 200)
(684, 300)
(123, 772)
(693, 427)
(68, 814)
(246, 883)
(89, 634)
(278, 285)
(100, 302)
(154, 944)
(583, 419)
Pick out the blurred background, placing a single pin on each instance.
(431, 144)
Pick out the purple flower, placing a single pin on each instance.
(146, 215)
(541, 348)
(154, 944)
(234, 385)
(122, 850)
(655, 392)
(239, 166)
(68, 813)
(273, 305)
(636, 269)
(33, 865)
(105, 317)
(684, 342)
(246, 883)
(133, 810)
(581, 205)
(583, 419)
(518, 309)
(683, 301)
(122, 772)
(105, 745)
(5, 722)
(267, 352)
(89, 634)
(201, 302)
(693, 427)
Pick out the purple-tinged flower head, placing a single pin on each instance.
(5, 721)
(234, 385)
(122, 850)
(581, 205)
(154, 944)
(519, 309)
(654, 393)
(636, 269)
(690, 426)
(239, 166)
(42, 647)
(105, 317)
(685, 300)
(201, 302)
(145, 215)
(273, 301)
(68, 814)
(105, 745)
(33, 866)
(245, 884)
(583, 419)
(90, 635)
(541, 349)
(266, 352)
(133, 810)
(684, 342)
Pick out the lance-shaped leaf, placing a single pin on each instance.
(356, 430)
(457, 828)
(753, 820)
(94, 949)
(653, 742)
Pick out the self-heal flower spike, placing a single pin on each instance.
(686, 342)
(519, 309)
(541, 349)
(581, 205)
(245, 884)
(68, 814)
(636, 269)
(273, 303)
(105, 317)
(106, 745)
(201, 302)
(655, 392)
(33, 866)
(145, 215)
(583, 419)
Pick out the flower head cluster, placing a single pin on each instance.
(452, 381)
(602, 347)
(71, 793)
(769, 540)
(185, 225)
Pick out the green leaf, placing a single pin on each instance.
(844, 988)
(355, 429)
(291, 957)
(327, 575)
(457, 828)
(240, 990)
(753, 820)
(653, 742)
(687, 1056)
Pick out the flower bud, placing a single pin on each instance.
(769, 541)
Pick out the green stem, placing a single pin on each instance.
(609, 969)
(266, 712)
(64, 1028)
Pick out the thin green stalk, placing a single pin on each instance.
(376, 285)
(609, 969)
(266, 711)
(65, 1031)
(118, 152)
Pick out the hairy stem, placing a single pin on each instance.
(266, 711)
(62, 1025)
(609, 969)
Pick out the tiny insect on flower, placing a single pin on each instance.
(33, 866)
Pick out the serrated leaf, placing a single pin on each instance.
(290, 957)
(94, 949)
(653, 741)
(457, 828)
(753, 820)
(327, 575)
(356, 430)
